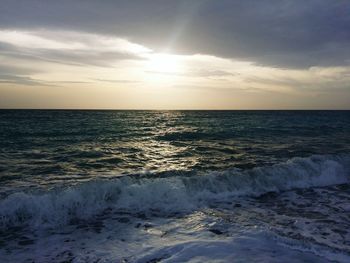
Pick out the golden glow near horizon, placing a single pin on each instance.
(66, 69)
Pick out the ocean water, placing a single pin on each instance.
(174, 186)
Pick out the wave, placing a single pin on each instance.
(166, 195)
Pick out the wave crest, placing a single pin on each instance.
(168, 194)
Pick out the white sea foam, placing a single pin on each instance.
(167, 195)
(257, 247)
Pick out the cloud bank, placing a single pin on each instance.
(281, 33)
(219, 54)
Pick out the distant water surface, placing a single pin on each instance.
(41, 147)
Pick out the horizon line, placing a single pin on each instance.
(132, 109)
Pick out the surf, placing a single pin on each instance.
(167, 195)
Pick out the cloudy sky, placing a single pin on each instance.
(166, 54)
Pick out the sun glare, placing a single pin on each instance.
(164, 63)
(164, 68)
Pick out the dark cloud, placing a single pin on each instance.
(212, 73)
(82, 58)
(69, 82)
(281, 33)
(202, 73)
(67, 57)
(28, 81)
(335, 83)
(6, 69)
(21, 80)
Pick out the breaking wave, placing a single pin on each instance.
(166, 195)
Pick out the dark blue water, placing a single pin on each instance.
(44, 147)
(133, 184)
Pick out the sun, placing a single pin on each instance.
(164, 64)
(164, 68)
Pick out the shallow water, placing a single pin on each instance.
(174, 186)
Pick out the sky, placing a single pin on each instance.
(166, 54)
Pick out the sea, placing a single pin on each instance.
(174, 186)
